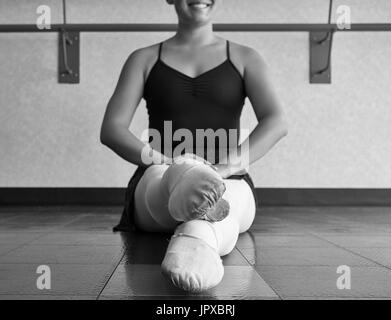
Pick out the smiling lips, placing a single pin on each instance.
(200, 4)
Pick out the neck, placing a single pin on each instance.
(198, 35)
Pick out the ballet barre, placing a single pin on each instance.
(320, 40)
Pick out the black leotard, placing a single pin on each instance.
(213, 100)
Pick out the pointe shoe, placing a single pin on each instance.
(191, 264)
(195, 190)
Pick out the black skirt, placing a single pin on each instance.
(127, 222)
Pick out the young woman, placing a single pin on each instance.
(194, 80)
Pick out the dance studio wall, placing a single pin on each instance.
(339, 135)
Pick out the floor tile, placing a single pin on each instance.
(36, 222)
(145, 252)
(94, 222)
(303, 257)
(344, 230)
(235, 258)
(362, 240)
(5, 248)
(239, 282)
(260, 240)
(370, 282)
(296, 249)
(9, 237)
(292, 230)
(66, 279)
(63, 254)
(80, 238)
(4, 216)
(380, 255)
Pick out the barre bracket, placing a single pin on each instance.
(320, 49)
(69, 57)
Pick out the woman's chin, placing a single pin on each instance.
(198, 19)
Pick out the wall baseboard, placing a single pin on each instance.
(267, 196)
(323, 197)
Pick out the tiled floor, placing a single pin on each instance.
(289, 253)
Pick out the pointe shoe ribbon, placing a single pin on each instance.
(195, 190)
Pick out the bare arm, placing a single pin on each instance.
(120, 111)
(272, 125)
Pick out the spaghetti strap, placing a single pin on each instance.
(160, 50)
(228, 55)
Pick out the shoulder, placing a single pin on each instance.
(246, 58)
(145, 53)
(143, 58)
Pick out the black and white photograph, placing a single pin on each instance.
(178, 150)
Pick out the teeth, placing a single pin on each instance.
(200, 5)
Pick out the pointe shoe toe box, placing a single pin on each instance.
(197, 193)
(192, 265)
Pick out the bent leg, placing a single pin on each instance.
(151, 210)
(241, 215)
(186, 190)
(192, 261)
(241, 199)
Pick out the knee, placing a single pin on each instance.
(155, 170)
(148, 178)
(227, 234)
(242, 203)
